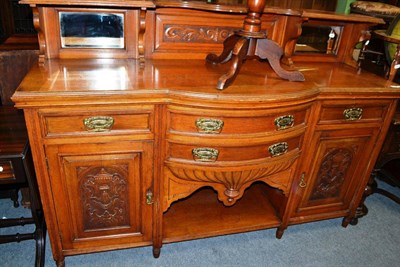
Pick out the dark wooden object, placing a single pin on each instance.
(251, 41)
(17, 172)
(387, 168)
(14, 64)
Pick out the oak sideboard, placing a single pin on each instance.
(133, 144)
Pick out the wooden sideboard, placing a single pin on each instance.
(136, 147)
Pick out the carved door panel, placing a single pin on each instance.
(100, 193)
(336, 171)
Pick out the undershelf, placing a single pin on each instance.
(202, 215)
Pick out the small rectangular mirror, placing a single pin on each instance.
(91, 30)
(319, 39)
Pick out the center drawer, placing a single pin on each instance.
(225, 152)
(198, 121)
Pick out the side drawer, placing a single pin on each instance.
(97, 121)
(352, 111)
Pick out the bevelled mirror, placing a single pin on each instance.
(91, 30)
(319, 39)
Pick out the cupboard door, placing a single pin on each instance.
(100, 194)
(337, 170)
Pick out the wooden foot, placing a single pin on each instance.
(156, 252)
(239, 54)
(226, 54)
(60, 263)
(14, 198)
(268, 49)
(40, 246)
(279, 233)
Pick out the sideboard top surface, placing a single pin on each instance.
(161, 80)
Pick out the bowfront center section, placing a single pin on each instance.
(228, 170)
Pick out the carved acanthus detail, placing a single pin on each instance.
(104, 193)
(331, 174)
(197, 34)
(230, 182)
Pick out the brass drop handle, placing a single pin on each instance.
(302, 183)
(352, 114)
(284, 122)
(209, 126)
(98, 123)
(149, 197)
(205, 154)
(278, 149)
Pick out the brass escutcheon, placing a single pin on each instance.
(278, 149)
(98, 123)
(284, 122)
(210, 126)
(205, 154)
(302, 183)
(149, 197)
(352, 114)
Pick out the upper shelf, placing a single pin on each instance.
(229, 6)
(94, 3)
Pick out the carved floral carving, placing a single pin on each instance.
(196, 34)
(331, 174)
(104, 193)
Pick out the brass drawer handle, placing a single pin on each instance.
(278, 149)
(352, 114)
(98, 123)
(1, 169)
(210, 126)
(205, 154)
(284, 122)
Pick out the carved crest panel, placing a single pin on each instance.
(104, 194)
(196, 34)
(332, 173)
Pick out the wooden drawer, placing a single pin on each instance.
(219, 153)
(352, 111)
(6, 171)
(231, 122)
(100, 121)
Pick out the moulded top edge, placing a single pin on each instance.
(110, 3)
